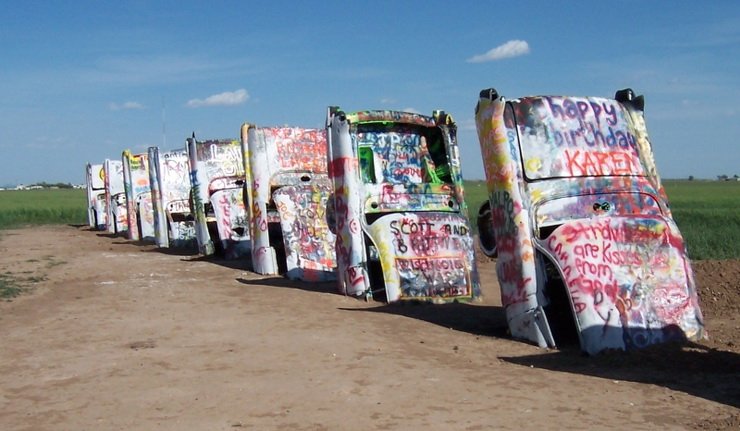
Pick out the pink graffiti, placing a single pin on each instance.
(225, 207)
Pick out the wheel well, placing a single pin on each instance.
(486, 234)
(375, 273)
(559, 308)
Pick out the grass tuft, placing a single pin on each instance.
(9, 287)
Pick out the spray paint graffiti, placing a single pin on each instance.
(399, 207)
(96, 209)
(170, 182)
(139, 206)
(627, 280)
(217, 180)
(288, 188)
(115, 197)
(576, 204)
(431, 252)
(307, 240)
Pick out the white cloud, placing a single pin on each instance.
(227, 98)
(412, 110)
(387, 101)
(467, 124)
(512, 48)
(46, 143)
(125, 105)
(148, 70)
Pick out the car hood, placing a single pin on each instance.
(425, 256)
(629, 281)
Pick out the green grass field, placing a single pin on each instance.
(36, 207)
(708, 215)
(706, 212)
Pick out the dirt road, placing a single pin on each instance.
(119, 335)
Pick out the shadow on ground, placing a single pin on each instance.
(108, 235)
(473, 319)
(482, 320)
(691, 368)
(242, 264)
(176, 251)
(189, 254)
(283, 283)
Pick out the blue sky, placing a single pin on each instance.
(80, 81)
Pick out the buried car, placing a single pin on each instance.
(139, 211)
(96, 208)
(398, 207)
(217, 180)
(587, 250)
(115, 197)
(287, 188)
(169, 173)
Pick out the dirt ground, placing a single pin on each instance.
(114, 334)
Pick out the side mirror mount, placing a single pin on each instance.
(489, 93)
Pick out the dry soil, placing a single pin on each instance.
(113, 335)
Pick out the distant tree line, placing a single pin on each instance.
(46, 185)
(721, 178)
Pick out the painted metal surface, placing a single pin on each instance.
(139, 206)
(97, 214)
(288, 188)
(577, 205)
(399, 207)
(169, 176)
(217, 180)
(115, 197)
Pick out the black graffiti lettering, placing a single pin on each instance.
(451, 229)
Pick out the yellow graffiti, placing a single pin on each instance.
(534, 164)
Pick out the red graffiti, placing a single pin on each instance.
(596, 163)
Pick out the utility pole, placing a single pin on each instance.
(164, 129)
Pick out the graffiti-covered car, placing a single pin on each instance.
(287, 188)
(217, 180)
(115, 197)
(587, 248)
(169, 178)
(398, 207)
(139, 210)
(96, 208)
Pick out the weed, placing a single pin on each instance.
(35, 279)
(9, 287)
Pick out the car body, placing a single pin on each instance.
(139, 210)
(115, 197)
(217, 180)
(97, 209)
(169, 177)
(586, 246)
(287, 188)
(398, 207)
